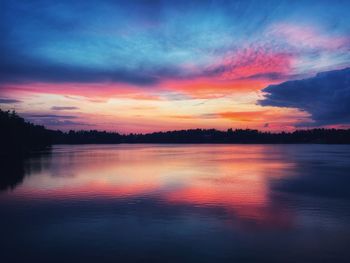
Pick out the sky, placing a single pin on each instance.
(144, 66)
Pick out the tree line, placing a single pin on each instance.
(18, 135)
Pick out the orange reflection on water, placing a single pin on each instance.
(240, 185)
(235, 178)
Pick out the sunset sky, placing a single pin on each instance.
(143, 66)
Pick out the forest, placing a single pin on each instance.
(19, 136)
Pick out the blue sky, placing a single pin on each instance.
(168, 49)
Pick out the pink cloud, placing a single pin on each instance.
(92, 91)
(256, 61)
(308, 36)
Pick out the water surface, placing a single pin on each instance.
(177, 203)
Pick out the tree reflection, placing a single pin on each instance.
(12, 172)
(15, 168)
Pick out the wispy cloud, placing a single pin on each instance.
(54, 116)
(63, 108)
(8, 101)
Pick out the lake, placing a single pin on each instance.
(177, 203)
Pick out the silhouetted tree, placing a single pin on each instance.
(17, 135)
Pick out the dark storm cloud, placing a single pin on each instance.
(326, 97)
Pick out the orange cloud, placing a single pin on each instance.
(244, 115)
(270, 114)
(209, 88)
(249, 69)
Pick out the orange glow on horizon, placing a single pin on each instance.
(204, 102)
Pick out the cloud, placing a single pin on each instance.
(240, 116)
(325, 96)
(8, 101)
(63, 108)
(145, 42)
(61, 123)
(33, 70)
(54, 116)
(54, 120)
(183, 117)
(253, 62)
(303, 36)
(207, 88)
(20, 64)
(93, 92)
(257, 116)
